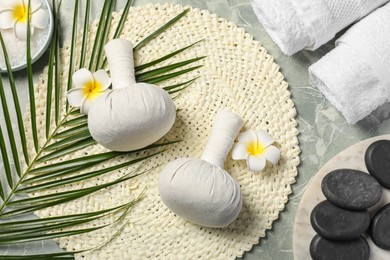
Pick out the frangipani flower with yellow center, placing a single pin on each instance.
(88, 87)
(256, 149)
(13, 14)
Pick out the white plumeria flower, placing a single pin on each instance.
(88, 87)
(256, 149)
(13, 14)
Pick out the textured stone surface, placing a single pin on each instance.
(380, 228)
(303, 234)
(351, 189)
(336, 223)
(323, 249)
(378, 161)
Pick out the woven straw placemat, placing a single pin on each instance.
(238, 74)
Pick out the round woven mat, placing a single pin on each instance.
(238, 74)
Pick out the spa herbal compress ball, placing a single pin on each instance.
(200, 190)
(132, 115)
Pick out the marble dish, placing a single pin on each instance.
(303, 233)
(40, 50)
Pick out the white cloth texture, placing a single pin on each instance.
(355, 76)
(295, 25)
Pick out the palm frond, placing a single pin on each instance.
(33, 113)
(81, 177)
(120, 26)
(153, 73)
(85, 34)
(70, 133)
(16, 102)
(51, 76)
(7, 167)
(165, 77)
(164, 58)
(76, 121)
(65, 142)
(57, 67)
(179, 87)
(73, 44)
(10, 130)
(104, 34)
(99, 32)
(73, 147)
(160, 30)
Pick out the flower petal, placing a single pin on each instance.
(10, 4)
(20, 30)
(35, 5)
(264, 138)
(272, 154)
(246, 137)
(85, 106)
(7, 19)
(40, 19)
(82, 77)
(101, 76)
(75, 97)
(256, 163)
(239, 151)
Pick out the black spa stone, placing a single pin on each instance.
(380, 228)
(324, 249)
(351, 189)
(377, 160)
(335, 223)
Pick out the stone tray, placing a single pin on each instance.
(352, 157)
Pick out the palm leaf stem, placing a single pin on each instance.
(31, 165)
(57, 67)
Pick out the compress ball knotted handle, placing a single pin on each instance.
(119, 54)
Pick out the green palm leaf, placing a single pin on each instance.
(76, 121)
(84, 135)
(73, 147)
(160, 30)
(69, 134)
(85, 34)
(99, 32)
(73, 44)
(15, 97)
(57, 67)
(9, 129)
(104, 33)
(7, 167)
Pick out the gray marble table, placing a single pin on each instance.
(324, 132)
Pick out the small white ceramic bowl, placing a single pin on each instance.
(43, 48)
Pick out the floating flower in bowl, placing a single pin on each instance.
(13, 25)
(14, 14)
(256, 148)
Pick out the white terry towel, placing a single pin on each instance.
(355, 76)
(307, 24)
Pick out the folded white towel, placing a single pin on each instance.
(307, 24)
(355, 76)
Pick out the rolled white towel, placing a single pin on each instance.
(307, 24)
(355, 76)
